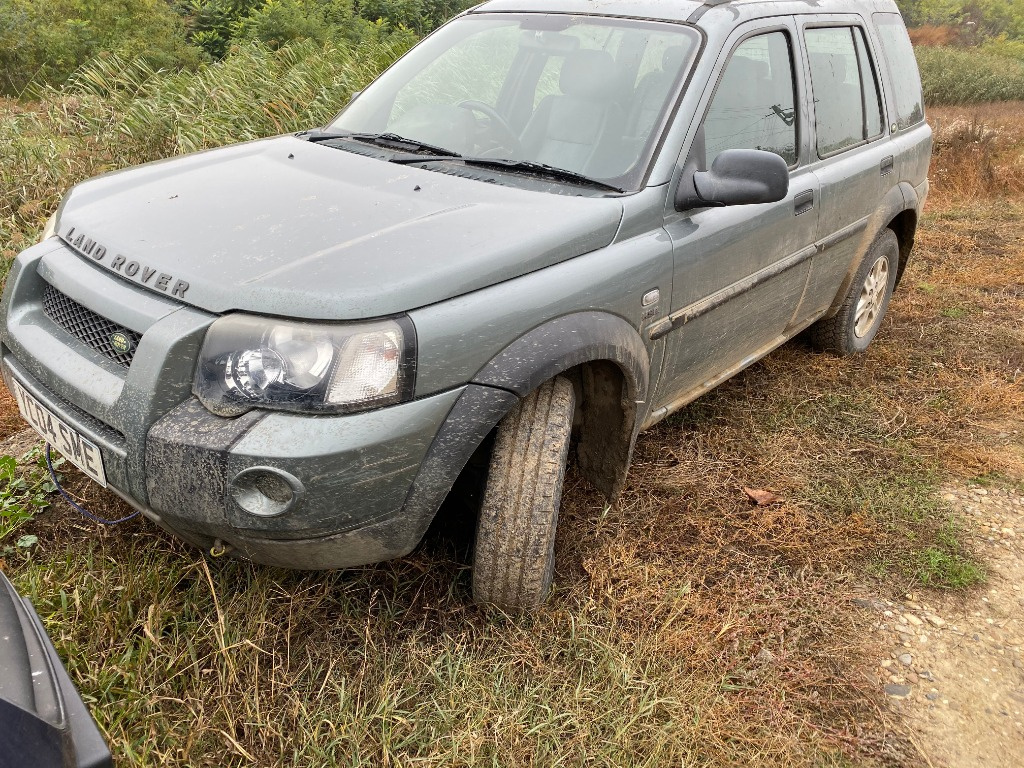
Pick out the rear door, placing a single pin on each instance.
(854, 154)
(740, 271)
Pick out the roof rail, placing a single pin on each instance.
(707, 6)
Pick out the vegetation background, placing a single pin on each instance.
(44, 43)
(689, 627)
(94, 85)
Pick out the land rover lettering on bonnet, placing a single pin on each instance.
(133, 269)
(542, 230)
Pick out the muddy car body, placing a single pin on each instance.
(548, 226)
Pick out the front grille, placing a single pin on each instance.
(106, 337)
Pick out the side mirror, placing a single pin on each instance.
(742, 177)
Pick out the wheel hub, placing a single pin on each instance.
(872, 298)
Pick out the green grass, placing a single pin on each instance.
(952, 75)
(943, 569)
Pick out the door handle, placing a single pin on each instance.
(803, 202)
(887, 165)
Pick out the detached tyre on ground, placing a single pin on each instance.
(514, 555)
(867, 299)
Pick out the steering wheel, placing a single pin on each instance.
(502, 134)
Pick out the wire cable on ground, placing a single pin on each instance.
(73, 503)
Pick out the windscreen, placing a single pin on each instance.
(585, 94)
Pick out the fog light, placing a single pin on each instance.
(266, 491)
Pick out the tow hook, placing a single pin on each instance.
(220, 548)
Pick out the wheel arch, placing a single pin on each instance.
(608, 362)
(897, 211)
(904, 224)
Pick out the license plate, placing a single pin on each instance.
(73, 446)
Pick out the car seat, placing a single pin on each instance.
(571, 129)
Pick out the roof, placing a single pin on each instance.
(676, 10)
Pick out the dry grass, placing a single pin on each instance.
(933, 34)
(979, 151)
(689, 626)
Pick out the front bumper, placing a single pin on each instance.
(349, 479)
(354, 474)
(343, 490)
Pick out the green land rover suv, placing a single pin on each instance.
(548, 226)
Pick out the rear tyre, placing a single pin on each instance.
(854, 326)
(514, 556)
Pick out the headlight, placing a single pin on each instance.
(251, 362)
(50, 229)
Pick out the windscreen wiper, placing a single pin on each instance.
(539, 169)
(390, 140)
(394, 141)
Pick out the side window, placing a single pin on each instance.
(869, 79)
(754, 106)
(847, 110)
(902, 66)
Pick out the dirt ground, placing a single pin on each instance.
(951, 665)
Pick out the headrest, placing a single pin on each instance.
(672, 59)
(747, 68)
(588, 74)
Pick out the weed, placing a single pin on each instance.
(946, 567)
(977, 154)
(23, 493)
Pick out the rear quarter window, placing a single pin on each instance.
(902, 66)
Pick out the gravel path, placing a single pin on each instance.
(954, 671)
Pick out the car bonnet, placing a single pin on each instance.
(291, 228)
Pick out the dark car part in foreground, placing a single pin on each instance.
(43, 721)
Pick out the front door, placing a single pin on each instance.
(740, 271)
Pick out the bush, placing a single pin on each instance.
(421, 16)
(46, 41)
(969, 76)
(215, 25)
(977, 18)
(278, 22)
